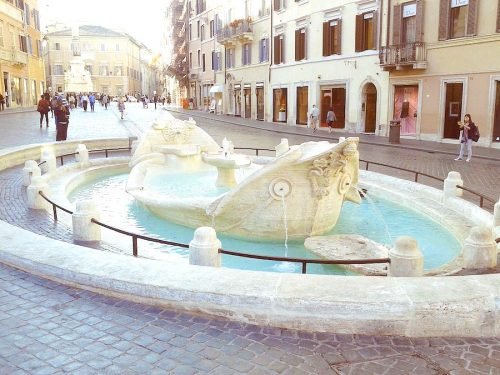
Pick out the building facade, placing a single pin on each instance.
(326, 54)
(114, 60)
(21, 64)
(442, 57)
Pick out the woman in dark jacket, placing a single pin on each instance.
(61, 113)
(468, 132)
(44, 109)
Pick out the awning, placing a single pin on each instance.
(216, 88)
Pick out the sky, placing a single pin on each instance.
(143, 20)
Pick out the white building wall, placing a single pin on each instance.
(350, 69)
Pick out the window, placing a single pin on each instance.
(58, 70)
(279, 51)
(246, 58)
(88, 68)
(212, 30)
(498, 19)
(457, 18)
(36, 18)
(23, 43)
(279, 4)
(332, 37)
(216, 65)
(118, 70)
(197, 29)
(1, 35)
(103, 47)
(199, 57)
(103, 70)
(57, 47)
(230, 58)
(300, 44)
(202, 32)
(366, 31)
(203, 62)
(201, 6)
(29, 45)
(190, 60)
(39, 48)
(190, 32)
(27, 18)
(263, 50)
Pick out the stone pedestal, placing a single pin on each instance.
(449, 189)
(480, 249)
(30, 170)
(84, 230)
(82, 155)
(35, 200)
(496, 215)
(282, 148)
(204, 248)
(48, 161)
(406, 258)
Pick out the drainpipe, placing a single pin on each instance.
(271, 41)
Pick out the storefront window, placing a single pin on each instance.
(280, 105)
(259, 91)
(302, 105)
(405, 108)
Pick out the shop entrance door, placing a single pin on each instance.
(370, 108)
(496, 121)
(259, 91)
(248, 102)
(453, 110)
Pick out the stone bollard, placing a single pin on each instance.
(48, 158)
(450, 190)
(282, 148)
(35, 200)
(480, 249)
(406, 258)
(82, 155)
(30, 170)
(84, 230)
(204, 248)
(496, 214)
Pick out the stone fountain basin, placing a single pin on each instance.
(466, 306)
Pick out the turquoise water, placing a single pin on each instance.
(378, 219)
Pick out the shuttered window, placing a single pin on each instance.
(279, 4)
(246, 58)
(498, 17)
(300, 44)
(332, 37)
(366, 31)
(264, 50)
(279, 53)
(457, 19)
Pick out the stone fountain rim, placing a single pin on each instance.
(467, 306)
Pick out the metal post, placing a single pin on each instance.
(134, 245)
(304, 267)
(54, 209)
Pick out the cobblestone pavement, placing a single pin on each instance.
(46, 327)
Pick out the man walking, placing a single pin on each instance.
(92, 101)
(2, 102)
(314, 117)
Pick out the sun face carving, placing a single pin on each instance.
(176, 133)
(323, 170)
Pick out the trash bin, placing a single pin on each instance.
(394, 131)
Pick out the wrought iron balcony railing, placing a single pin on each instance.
(241, 30)
(404, 56)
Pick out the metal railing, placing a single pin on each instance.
(481, 197)
(403, 54)
(304, 261)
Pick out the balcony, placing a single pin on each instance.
(236, 31)
(404, 57)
